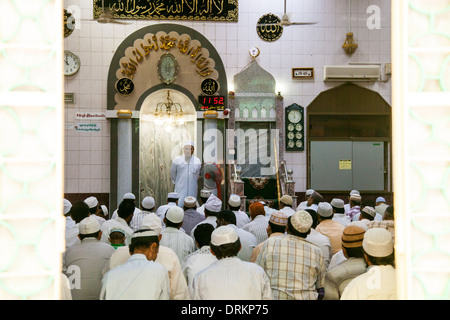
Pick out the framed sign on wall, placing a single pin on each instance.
(302, 73)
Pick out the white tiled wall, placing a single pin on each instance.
(87, 154)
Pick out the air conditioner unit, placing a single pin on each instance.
(351, 73)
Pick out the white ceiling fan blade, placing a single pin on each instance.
(303, 23)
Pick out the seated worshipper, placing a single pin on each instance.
(276, 227)
(67, 205)
(234, 204)
(387, 222)
(367, 214)
(94, 209)
(338, 277)
(347, 206)
(314, 199)
(379, 282)
(339, 211)
(84, 262)
(173, 237)
(204, 195)
(248, 240)
(295, 266)
(201, 258)
(286, 205)
(230, 278)
(172, 200)
(332, 229)
(125, 214)
(104, 211)
(212, 208)
(380, 206)
(304, 204)
(166, 256)
(367, 203)
(140, 278)
(355, 207)
(259, 223)
(147, 206)
(322, 241)
(117, 237)
(78, 212)
(191, 216)
(130, 198)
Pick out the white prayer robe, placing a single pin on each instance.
(137, 279)
(184, 175)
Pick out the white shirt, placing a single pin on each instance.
(184, 173)
(161, 211)
(302, 206)
(258, 227)
(72, 235)
(241, 218)
(248, 243)
(232, 279)
(336, 259)
(287, 211)
(166, 257)
(212, 220)
(323, 242)
(116, 223)
(132, 223)
(178, 241)
(137, 279)
(196, 262)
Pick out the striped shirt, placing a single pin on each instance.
(295, 267)
(178, 241)
(232, 279)
(258, 227)
(135, 223)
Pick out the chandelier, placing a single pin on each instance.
(168, 111)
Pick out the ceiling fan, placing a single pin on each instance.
(285, 22)
(106, 16)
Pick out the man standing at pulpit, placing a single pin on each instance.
(184, 173)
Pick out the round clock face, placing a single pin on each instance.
(167, 68)
(71, 63)
(291, 127)
(294, 116)
(254, 52)
(291, 135)
(298, 144)
(290, 143)
(298, 127)
(298, 135)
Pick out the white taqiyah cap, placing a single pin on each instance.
(378, 242)
(173, 195)
(213, 203)
(129, 196)
(175, 214)
(143, 233)
(190, 202)
(152, 221)
(380, 199)
(337, 203)
(370, 211)
(188, 143)
(356, 197)
(104, 209)
(223, 235)
(148, 203)
(354, 192)
(286, 199)
(324, 209)
(205, 193)
(89, 225)
(91, 202)
(67, 205)
(309, 192)
(301, 221)
(234, 200)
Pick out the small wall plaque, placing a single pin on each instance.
(69, 97)
(302, 73)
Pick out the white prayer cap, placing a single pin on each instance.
(116, 229)
(153, 222)
(91, 202)
(129, 195)
(354, 192)
(175, 214)
(188, 143)
(213, 204)
(380, 199)
(301, 221)
(190, 202)
(148, 203)
(356, 197)
(370, 211)
(89, 225)
(143, 233)
(337, 203)
(205, 193)
(279, 218)
(309, 192)
(223, 235)
(173, 195)
(378, 242)
(67, 205)
(234, 200)
(324, 209)
(104, 209)
(286, 199)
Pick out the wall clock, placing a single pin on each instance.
(72, 63)
(69, 23)
(167, 68)
(294, 124)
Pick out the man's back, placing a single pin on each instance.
(178, 241)
(295, 267)
(91, 256)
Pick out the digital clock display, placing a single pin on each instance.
(212, 102)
